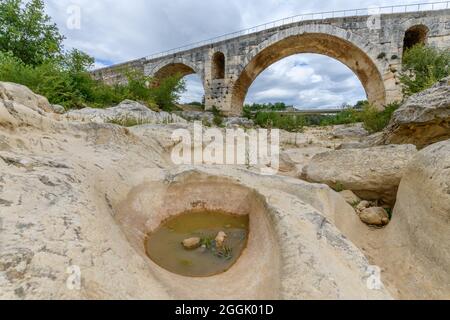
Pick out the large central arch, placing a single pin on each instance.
(319, 43)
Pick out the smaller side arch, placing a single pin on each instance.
(416, 34)
(172, 69)
(218, 66)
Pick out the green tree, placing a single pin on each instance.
(77, 61)
(27, 32)
(423, 66)
(32, 54)
(167, 92)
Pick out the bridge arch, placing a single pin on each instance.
(416, 34)
(172, 68)
(178, 66)
(333, 42)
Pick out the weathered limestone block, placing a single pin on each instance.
(127, 111)
(423, 119)
(22, 95)
(372, 173)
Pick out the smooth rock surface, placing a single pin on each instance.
(81, 197)
(85, 198)
(423, 204)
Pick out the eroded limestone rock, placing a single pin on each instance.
(126, 111)
(423, 204)
(86, 195)
(353, 131)
(22, 95)
(375, 216)
(423, 119)
(90, 192)
(371, 173)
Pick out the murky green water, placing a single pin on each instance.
(164, 246)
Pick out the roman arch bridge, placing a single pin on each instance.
(370, 42)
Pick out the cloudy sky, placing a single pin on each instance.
(115, 31)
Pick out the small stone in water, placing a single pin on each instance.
(192, 243)
(220, 239)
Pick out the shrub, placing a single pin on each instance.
(375, 120)
(275, 120)
(218, 116)
(339, 187)
(346, 116)
(278, 106)
(46, 79)
(423, 66)
(65, 82)
(196, 104)
(166, 92)
(128, 121)
(247, 112)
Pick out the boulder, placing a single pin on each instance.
(362, 205)
(374, 216)
(371, 173)
(126, 112)
(220, 239)
(423, 119)
(350, 197)
(423, 204)
(293, 160)
(349, 131)
(22, 95)
(191, 243)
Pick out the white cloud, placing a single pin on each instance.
(114, 31)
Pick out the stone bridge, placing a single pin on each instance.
(371, 45)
